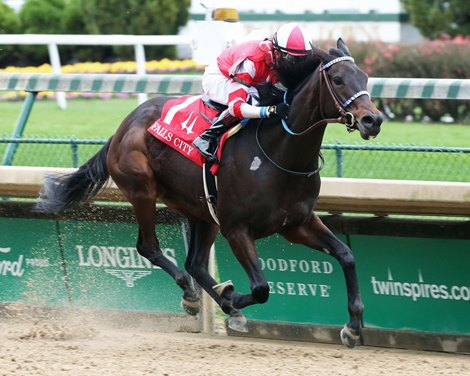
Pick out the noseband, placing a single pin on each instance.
(347, 118)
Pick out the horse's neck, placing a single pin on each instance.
(305, 113)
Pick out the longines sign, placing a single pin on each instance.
(120, 262)
(100, 267)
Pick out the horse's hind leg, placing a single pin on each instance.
(141, 191)
(202, 236)
(316, 235)
(148, 246)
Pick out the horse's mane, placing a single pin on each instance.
(291, 76)
(335, 52)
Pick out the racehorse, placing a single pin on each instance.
(268, 182)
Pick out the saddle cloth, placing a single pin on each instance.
(182, 120)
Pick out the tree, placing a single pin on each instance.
(435, 17)
(138, 17)
(40, 17)
(75, 22)
(9, 24)
(461, 15)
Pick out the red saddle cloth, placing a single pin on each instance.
(182, 120)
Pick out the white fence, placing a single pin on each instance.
(52, 41)
(337, 195)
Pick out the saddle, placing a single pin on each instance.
(214, 105)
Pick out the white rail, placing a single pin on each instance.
(52, 41)
(374, 196)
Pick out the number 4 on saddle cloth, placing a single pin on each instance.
(182, 120)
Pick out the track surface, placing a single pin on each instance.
(80, 345)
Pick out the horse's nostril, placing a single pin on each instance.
(371, 120)
(368, 121)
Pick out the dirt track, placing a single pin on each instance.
(78, 345)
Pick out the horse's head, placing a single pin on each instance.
(344, 90)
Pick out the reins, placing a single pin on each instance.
(301, 173)
(346, 118)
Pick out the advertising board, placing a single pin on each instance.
(31, 263)
(86, 265)
(419, 284)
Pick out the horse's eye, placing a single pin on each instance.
(338, 80)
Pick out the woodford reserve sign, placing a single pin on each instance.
(406, 283)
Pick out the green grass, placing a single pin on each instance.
(454, 135)
(86, 118)
(83, 118)
(94, 118)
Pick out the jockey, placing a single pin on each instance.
(238, 69)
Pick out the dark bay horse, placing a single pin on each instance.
(268, 183)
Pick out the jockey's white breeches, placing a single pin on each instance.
(219, 89)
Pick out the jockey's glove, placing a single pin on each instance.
(280, 110)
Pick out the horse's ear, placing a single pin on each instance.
(342, 46)
(322, 55)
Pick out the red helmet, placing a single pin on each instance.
(293, 39)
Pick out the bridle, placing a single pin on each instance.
(346, 118)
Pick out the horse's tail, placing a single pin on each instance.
(62, 192)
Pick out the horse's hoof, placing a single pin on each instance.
(348, 338)
(221, 287)
(238, 323)
(192, 308)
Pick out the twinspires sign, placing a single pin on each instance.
(406, 283)
(414, 283)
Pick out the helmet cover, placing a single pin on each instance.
(293, 39)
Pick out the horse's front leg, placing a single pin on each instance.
(316, 235)
(202, 236)
(244, 249)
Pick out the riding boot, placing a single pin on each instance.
(208, 142)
